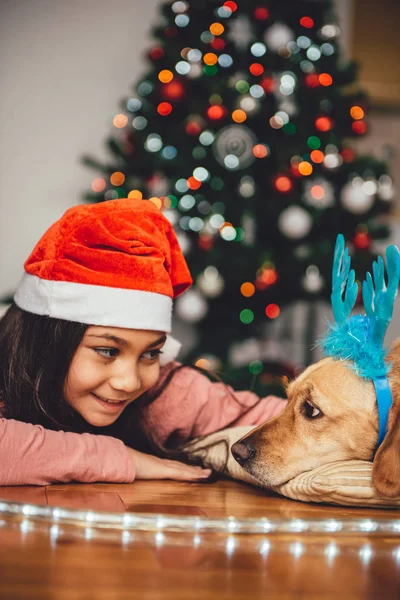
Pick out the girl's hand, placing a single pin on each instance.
(152, 467)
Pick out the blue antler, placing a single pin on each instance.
(343, 281)
(379, 299)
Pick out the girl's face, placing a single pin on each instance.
(111, 368)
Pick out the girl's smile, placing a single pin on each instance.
(111, 368)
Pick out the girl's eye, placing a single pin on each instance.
(310, 411)
(107, 352)
(152, 354)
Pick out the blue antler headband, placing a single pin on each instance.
(359, 339)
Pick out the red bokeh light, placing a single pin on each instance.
(261, 13)
(307, 22)
(216, 112)
(164, 109)
(256, 69)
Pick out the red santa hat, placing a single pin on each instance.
(117, 263)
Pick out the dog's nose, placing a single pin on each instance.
(242, 451)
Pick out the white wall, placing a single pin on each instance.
(64, 67)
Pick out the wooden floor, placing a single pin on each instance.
(77, 563)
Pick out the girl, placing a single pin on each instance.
(89, 390)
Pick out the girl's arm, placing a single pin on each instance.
(191, 405)
(32, 455)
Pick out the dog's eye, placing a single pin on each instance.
(310, 411)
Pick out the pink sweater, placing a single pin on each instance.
(189, 406)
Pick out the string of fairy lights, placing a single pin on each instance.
(222, 134)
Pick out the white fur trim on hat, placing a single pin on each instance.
(169, 351)
(95, 304)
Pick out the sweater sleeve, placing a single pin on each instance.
(191, 406)
(32, 455)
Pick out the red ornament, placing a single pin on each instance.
(216, 112)
(307, 22)
(362, 240)
(217, 44)
(359, 127)
(312, 80)
(324, 123)
(173, 90)
(261, 13)
(156, 53)
(268, 85)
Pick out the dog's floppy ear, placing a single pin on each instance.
(386, 466)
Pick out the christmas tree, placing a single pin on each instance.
(240, 130)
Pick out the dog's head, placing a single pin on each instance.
(331, 415)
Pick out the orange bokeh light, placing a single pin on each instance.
(305, 168)
(247, 289)
(283, 183)
(156, 201)
(317, 156)
(357, 112)
(210, 58)
(135, 194)
(120, 121)
(217, 29)
(165, 76)
(239, 116)
(117, 178)
(260, 151)
(325, 79)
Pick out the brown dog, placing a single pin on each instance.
(331, 415)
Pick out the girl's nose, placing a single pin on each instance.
(126, 379)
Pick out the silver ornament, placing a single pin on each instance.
(237, 141)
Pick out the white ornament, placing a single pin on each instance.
(277, 36)
(295, 222)
(240, 32)
(191, 306)
(318, 192)
(210, 282)
(354, 197)
(237, 141)
(312, 280)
